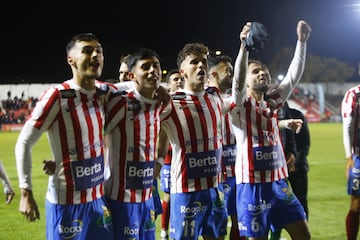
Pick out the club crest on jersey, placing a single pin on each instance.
(102, 89)
(178, 96)
(211, 90)
(134, 105)
(68, 93)
(106, 219)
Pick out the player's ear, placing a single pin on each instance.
(131, 75)
(70, 60)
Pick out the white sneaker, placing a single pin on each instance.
(164, 235)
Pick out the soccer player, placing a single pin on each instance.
(350, 107)
(8, 189)
(132, 127)
(298, 175)
(72, 114)
(264, 197)
(291, 143)
(192, 124)
(174, 82)
(220, 76)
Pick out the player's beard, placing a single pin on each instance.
(261, 88)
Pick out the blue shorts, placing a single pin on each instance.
(156, 197)
(195, 214)
(165, 178)
(133, 220)
(229, 187)
(88, 221)
(353, 182)
(262, 206)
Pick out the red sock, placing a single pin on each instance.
(165, 216)
(352, 225)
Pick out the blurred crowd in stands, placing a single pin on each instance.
(308, 103)
(16, 109)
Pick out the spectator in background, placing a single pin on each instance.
(350, 112)
(298, 174)
(296, 147)
(8, 189)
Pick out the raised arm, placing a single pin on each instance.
(240, 68)
(297, 65)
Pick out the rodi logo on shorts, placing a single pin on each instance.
(69, 232)
(193, 209)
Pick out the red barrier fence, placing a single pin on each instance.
(11, 127)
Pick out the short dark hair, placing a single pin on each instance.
(142, 53)
(214, 60)
(258, 62)
(81, 37)
(191, 48)
(124, 58)
(171, 72)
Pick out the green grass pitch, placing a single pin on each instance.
(328, 201)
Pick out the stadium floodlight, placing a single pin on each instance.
(280, 77)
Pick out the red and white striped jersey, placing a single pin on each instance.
(73, 118)
(167, 159)
(229, 146)
(193, 123)
(132, 127)
(229, 140)
(260, 156)
(350, 108)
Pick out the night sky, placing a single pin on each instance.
(34, 35)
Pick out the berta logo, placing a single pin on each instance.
(82, 171)
(268, 157)
(203, 164)
(88, 173)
